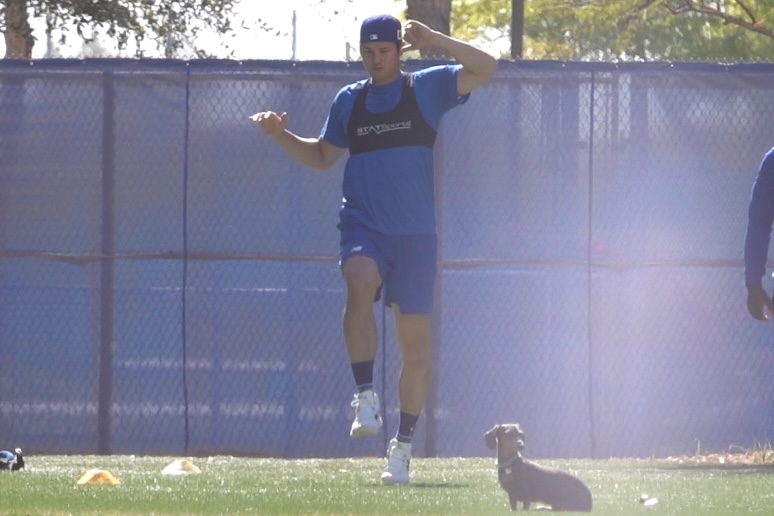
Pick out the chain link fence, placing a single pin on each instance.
(169, 280)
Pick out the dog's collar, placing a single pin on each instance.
(508, 462)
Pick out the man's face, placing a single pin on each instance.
(381, 60)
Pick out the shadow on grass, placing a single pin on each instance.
(757, 468)
(425, 485)
(437, 485)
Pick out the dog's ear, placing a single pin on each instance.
(520, 431)
(490, 438)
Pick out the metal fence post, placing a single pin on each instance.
(105, 394)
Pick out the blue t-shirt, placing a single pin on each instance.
(760, 217)
(391, 190)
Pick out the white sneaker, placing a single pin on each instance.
(398, 460)
(368, 420)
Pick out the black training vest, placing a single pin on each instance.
(402, 126)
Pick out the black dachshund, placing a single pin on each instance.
(527, 482)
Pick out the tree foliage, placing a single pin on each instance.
(481, 19)
(678, 30)
(169, 22)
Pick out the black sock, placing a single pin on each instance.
(406, 425)
(364, 375)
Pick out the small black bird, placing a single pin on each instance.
(11, 461)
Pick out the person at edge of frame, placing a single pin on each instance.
(387, 225)
(760, 215)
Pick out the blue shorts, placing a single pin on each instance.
(407, 264)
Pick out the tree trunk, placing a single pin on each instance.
(517, 29)
(18, 33)
(433, 13)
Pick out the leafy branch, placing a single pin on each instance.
(721, 10)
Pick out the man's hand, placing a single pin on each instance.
(759, 303)
(417, 36)
(271, 123)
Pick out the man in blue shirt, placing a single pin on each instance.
(388, 123)
(756, 247)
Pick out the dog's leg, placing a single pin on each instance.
(513, 501)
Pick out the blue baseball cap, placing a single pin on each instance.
(381, 27)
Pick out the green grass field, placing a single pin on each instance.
(229, 485)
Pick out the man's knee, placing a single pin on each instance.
(361, 275)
